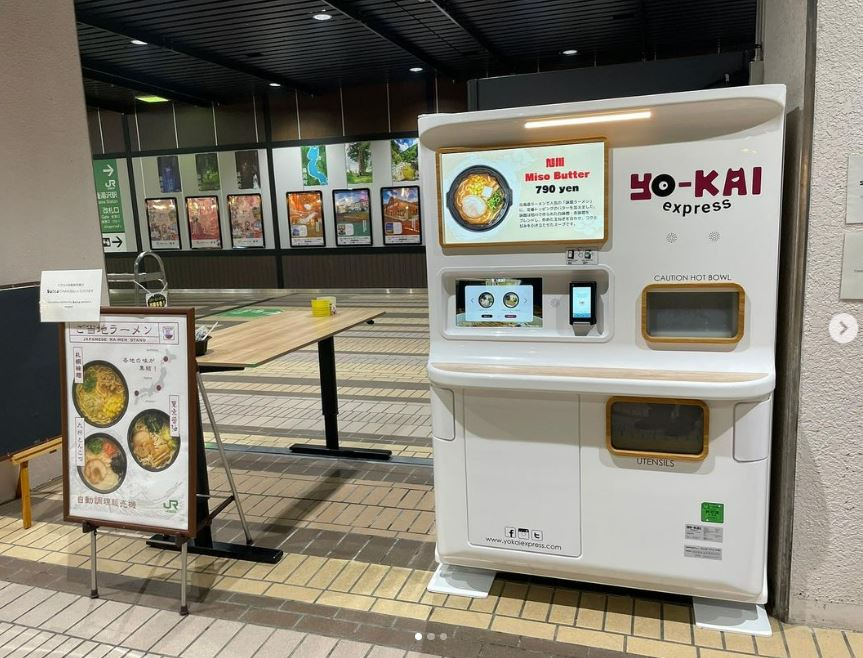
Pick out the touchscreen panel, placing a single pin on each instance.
(499, 303)
(582, 303)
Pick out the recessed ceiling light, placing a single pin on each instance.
(275, 84)
(569, 51)
(416, 69)
(151, 99)
(323, 16)
(138, 42)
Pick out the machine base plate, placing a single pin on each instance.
(461, 581)
(731, 617)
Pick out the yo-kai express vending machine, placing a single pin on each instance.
(602, 284)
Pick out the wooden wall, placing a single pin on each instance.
(390, 267)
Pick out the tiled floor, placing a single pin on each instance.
(358, 539)
(358, 542)
(42, 622)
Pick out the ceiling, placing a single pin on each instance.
(217, 50)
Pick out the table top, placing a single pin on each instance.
(259, 341)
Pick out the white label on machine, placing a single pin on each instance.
(702, 552)
(703, 533)
(582, 257)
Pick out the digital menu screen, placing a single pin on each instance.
(550, 194)
(499, 303)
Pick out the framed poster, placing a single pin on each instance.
(404, 159)
(314, 165)
(207, 167)
(248, 170)
(163, 223)
(353, 213)
(306, 219)
(205, 228)
(130, 420)
(400, 209)
(358, 162)
(247, 220)
(169, 173)
(546, 194)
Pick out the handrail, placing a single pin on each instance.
(138, 277)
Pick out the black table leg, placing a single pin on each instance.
(203, 543)
(330, 409)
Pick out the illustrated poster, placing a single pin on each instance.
(169, 173)
(353, 217)
(163, 223)
(314, 164)
(205, 229)
(306, 219)
(400, 207)
(553, 194)
(248, 170)
(129, 431)
(404, 159)
(207, 167)
(358, 162)
(246, 216)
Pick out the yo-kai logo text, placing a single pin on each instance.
(706, 185)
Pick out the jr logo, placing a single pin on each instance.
(711, 183)
(171, 505)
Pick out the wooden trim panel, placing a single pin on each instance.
(695, 287)
(706, 377)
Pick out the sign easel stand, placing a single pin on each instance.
(203, 543)
(183, 544)
(22, 460)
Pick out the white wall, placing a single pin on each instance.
(48, 219)
(826, 548)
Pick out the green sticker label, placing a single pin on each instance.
(713, 512)
(253, 312)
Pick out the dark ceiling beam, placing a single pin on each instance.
(102, 72)
(347, 8)
(168, 43)
(114, 106)
(461, 21)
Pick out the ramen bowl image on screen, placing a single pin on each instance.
(150, 440)
(104, 466)
(102, 396)
(479, 198)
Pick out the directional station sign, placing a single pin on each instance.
(114, 242)
(110, 204)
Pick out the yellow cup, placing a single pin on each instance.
(321, 308)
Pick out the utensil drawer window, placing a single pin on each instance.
(661, 427)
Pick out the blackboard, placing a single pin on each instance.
(29, 372)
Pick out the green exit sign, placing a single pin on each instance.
(712, 512)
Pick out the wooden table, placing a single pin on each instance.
(257, 342)
(251, 344)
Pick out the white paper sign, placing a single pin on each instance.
(130, 442)
(854, 205)
(852, 266)
(70, 295)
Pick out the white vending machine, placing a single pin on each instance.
(602, 284)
